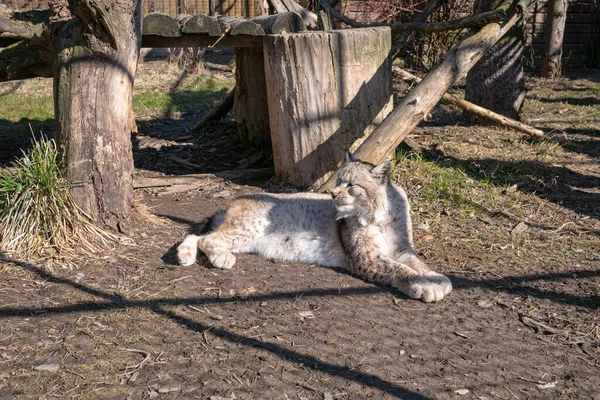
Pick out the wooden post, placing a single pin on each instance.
(327, 91)
(250, 104)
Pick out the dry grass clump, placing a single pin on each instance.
(38, 216)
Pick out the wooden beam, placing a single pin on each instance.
(484, 112)
(202, 41)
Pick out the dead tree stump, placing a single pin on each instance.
(326, 91)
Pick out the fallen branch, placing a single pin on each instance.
(218, 112)
(237, 174)
(484, 112)
(472, 21)
(452, 67)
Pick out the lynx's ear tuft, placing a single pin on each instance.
(381, 171)
(350, 158)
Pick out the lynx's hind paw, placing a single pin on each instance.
(222, 259)
(187, 250)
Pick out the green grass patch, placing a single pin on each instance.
(15, 107)
(199, 92)
(38, 216)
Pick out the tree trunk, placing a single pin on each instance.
(96, 53)
(553, 38)
(497, 81)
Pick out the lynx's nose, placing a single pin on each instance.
(335, 192)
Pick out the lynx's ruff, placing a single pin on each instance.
(365, 228)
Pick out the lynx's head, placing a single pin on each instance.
(360, 189)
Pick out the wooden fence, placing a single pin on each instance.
(234, 8)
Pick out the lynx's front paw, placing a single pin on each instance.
(441, 280)
(186, 252)
(426, 290)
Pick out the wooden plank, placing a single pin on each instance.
(287, 22)
(201, 24)
(160, 24)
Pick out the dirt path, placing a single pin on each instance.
(514, 224)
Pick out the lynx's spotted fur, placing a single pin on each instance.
(365, 228)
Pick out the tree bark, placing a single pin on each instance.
(418, 103)
(97, 47)
(497, 81)
(553, 38)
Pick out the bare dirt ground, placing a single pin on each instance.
(514, 224)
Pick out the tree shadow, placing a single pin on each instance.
(574, 101)
(117, 302)
(18, 137)
(556, 184)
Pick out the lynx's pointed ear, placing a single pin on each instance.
(350, 158)
(382, 170)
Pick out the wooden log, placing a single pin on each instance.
(236, 174)
(218, 112)
(202, 41)
(485, 113)
(234, 26)
(287, 22)
(452, 67)
(320, 109)
(160, 24)
(250, 106)
(201, 24)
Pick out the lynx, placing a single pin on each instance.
(363, 226)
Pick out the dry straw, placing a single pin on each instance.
(38, 216)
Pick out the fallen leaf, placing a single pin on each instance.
(548, 385)
(427, 238)
(461, 391)
(48, 367)
(306, 314)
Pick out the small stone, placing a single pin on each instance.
(306, 314)
(224, 194)
(153, 394)
(216, 317)
(402, 352)
(520, 228)
(327, 396)
(485, 303)
(169, 389)
(461, 392)
(48, 367)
